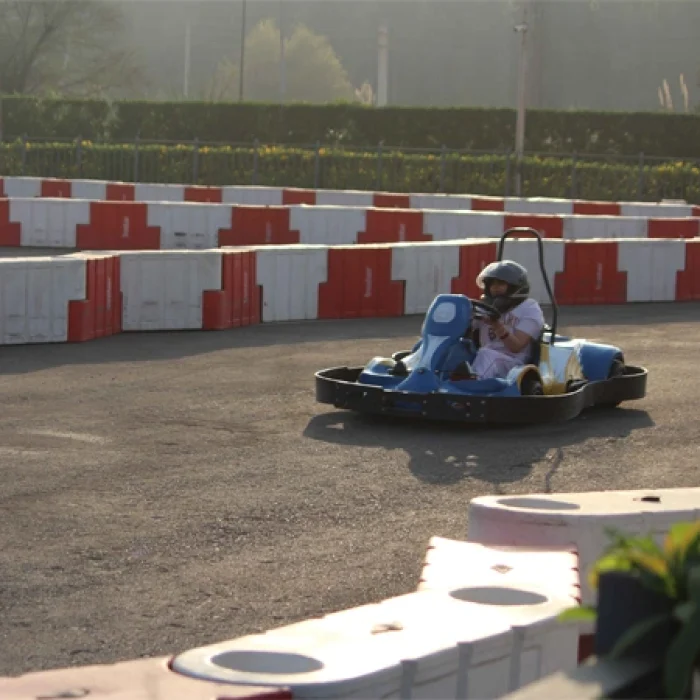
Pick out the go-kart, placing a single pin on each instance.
(563, 376)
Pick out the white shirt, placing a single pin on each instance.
(526, 317)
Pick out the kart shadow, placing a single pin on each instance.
(447, 453)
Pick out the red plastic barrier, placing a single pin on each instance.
(472, 260)
(488, 204)
(359, 285)
(100, 314)
(548, 226)
(298, 196)
(688, 280)
(238, 302)
(673, 228)
(10, 231)
(596, 208)
(203, 194)
(258, 226)
(388, 200)
(120, 192)
(118, 226)
(393, 226)
(56, 188)
(590, 275)
(696, 211)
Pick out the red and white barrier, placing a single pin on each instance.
(231, 287)
(99, 190)
(59, 299)
(197, 226)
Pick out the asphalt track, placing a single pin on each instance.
(168, 490)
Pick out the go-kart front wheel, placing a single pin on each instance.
(531, 385)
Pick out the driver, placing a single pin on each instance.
(505, 343)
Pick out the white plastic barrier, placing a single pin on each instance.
(289, 277)
(49, 222)
(22, 186)
(344, 198)
(605, 227)
(93, 190)
(578, 520)
(428, 270)
(260, 196)
(467, 643)
(656, 210)
(452, 225)
(538, 205)
(526, 252)
(189, 226)
(163, 290)
(158, 193)
(327, 225)
(452, 202)
(652, 268)
(35, 295)
(453, 564)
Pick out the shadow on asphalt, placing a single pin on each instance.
(446, 453)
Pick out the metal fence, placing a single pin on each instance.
(377, 168)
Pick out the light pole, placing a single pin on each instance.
(283, 71)
(240, 76)
(522, 97)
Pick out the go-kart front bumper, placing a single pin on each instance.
(339, 387)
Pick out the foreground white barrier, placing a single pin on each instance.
(578, 520)
(482, 624)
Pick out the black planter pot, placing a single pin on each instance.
(624, 601)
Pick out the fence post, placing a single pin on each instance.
(506, 188)
(24, 153)
(195, 161)
(256, 156)
(317, 166)
(79, 154)
(379, 166)
(443, 168)
(136, 158)
(640, 179)
(573, 177)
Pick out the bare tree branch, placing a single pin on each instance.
(65, 46)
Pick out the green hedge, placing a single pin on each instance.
(654, 134)
(347, 169)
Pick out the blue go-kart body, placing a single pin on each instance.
(561, 377)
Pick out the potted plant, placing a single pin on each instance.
(648, 603)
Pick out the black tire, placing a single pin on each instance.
(400, 355)
(531, 385)
(617, 369)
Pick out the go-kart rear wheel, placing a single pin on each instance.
(531, 385)
(617, 369)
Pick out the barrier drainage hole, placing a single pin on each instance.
(496, 595)
(538, 503)
(266, 662)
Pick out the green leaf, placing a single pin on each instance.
(635, 633)
(580, 613)
(681, 657)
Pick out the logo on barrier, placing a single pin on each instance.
(368, 282)
(402, 231)
(599, 277)
(109, 293)
(268, 232)
(245, 287)
(125, 227)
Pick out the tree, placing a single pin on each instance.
(313, 72)
(63, 46)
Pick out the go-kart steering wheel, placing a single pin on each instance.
(488, 310)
